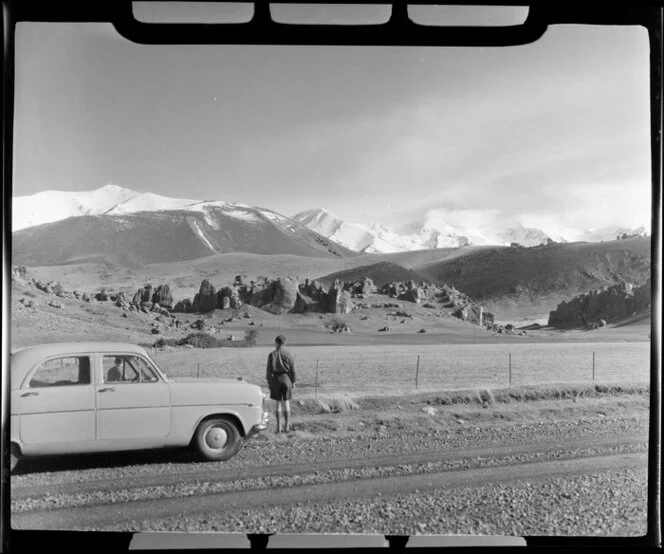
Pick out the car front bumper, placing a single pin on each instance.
(265, 420)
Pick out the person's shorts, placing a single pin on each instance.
(281, 388)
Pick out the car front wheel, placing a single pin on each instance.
(217, 439)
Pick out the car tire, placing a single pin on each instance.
(14, 457)
(217, 439)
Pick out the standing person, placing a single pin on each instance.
(280, 378)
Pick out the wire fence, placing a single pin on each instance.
(388, 369)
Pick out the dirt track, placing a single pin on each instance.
(304, 483)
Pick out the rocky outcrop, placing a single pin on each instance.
(162, 296)
(414, 293)
(229, 298)
(409, 291)
(608, 304)
(339, 300)
(136, 300)
(360, 287)
(279, 297)
(102, 296)
(206, 299)
(52, 287)
(313, 289)
(142, 295)
(19, 271)
(183, 306)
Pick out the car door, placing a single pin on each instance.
(57, 402)
(132, 400)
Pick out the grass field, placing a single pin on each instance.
(390, 369)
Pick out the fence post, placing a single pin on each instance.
(417, 371)
(198, 370)
(510, 370)
(317, 362)
(593, 365)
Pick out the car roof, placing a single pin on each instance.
(23, 359)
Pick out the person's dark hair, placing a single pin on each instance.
(280, 340)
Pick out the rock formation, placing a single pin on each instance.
(183, 306)
(206, 299)
(608, 304)
(162, 296)
(279, 297)
(339, 300)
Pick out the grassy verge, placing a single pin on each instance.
(340, 403)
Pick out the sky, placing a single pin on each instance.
(553, 135)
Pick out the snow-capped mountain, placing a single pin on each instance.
(433, 232)
(527, 236)
(52, 205)
(611, 233)
(436, 232)
(357, 237)
(169, 235)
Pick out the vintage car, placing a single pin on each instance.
(100, 397)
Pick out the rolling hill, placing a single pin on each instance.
(380, 273)
(509, 278)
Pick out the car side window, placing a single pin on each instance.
(60, 372)
(127, 369)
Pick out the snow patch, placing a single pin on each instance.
(198, 230)
(273, 216)
(152, 203)
(244, 215)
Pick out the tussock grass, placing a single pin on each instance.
(337, 404)
(533, 394)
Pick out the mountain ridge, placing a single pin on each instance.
(434, 231)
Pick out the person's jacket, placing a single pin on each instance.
(280, 361)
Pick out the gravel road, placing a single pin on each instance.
(586, 476)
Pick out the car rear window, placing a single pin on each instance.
(65, 371)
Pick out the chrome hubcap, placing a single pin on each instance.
(216, 438)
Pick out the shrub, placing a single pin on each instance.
(487, 397)
(166, 342)
(335, 321)
(202, 340)
(205, 340)
(250, 337)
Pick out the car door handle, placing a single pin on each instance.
(29, 394)
(107, 389)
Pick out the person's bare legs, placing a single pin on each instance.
(286, 405)
(277, 412)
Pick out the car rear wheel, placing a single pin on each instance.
(217, 439)
(15, 456)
